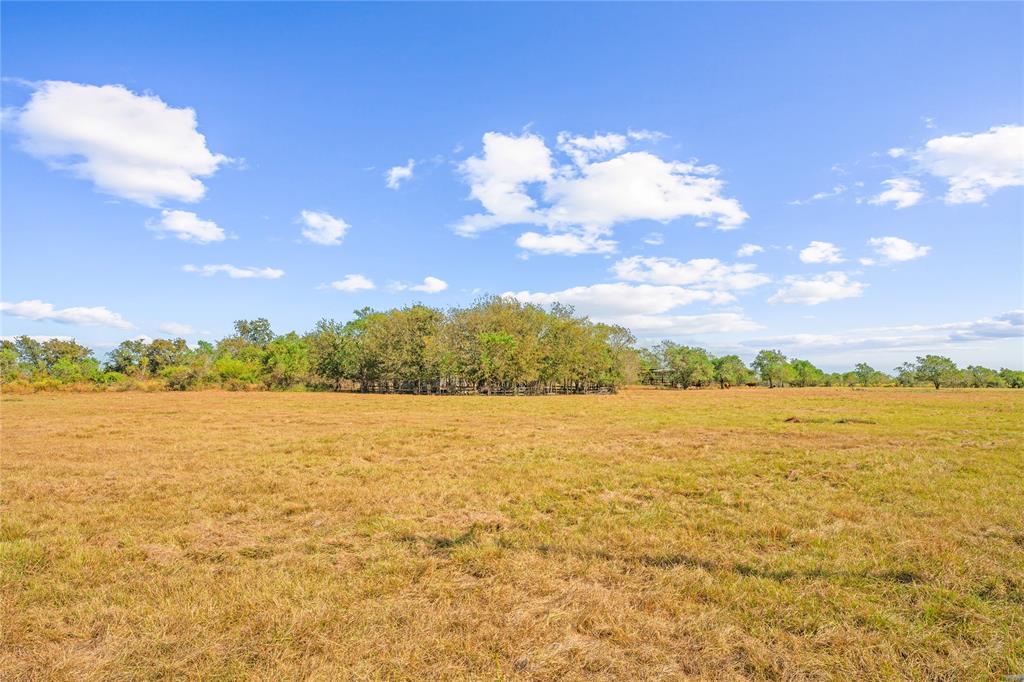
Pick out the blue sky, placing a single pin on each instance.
(168, 168)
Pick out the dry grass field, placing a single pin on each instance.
(743, 534)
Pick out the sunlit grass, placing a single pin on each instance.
(822, 533)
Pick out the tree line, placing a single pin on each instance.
(678, 366)
(496, 346)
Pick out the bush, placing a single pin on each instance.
(178, 378)
(47, 384)
(112, 379)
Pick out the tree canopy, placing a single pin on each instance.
(495, 346)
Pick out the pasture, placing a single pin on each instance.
(653, 534)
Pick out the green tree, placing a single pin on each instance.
(688, 366)
(865, 373)
(286, 361)
(9, 367)
(982, 377)
(772, 367)
(254, 332)
(906, 374)
(331, 353)
(163, 353)
(806, 374)
(129, 358)
(1012, 378)
(30, 355)
(498, 365)
(730, 371)
(936, 370)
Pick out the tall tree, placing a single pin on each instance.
(806, 374)
(772, 367)
(730, 371)
(936, 370)
(256, 332)
(865, 373)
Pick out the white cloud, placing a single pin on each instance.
(866, 261)
(353, 283)
(896, 152)
(642, 307)
(701, 273)
(976, 165)
(831, 286)
(322, 228)
(835, 191)
(896, 249)
(645, 135)
(497, 179)
(177, 328)
(638, 186)
(188, 227)
(904, 192)
(821, 252)
(397, 174)
(41, 338)
(583, 150)
(925, 337)
(564, 243)
(661, 326)
(430, 285)
(747, 250)
(518, 181)
(612, 301)
(654, 239)
(235, 272)
(136, 147)
(38, 310)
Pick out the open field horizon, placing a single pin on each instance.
(652, 534)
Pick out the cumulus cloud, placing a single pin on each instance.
(660, 326)
(903, 192)
(518, 180)
(430, 285)
(188, 227)
(320, 227)
(925, 337)
(353, 283)
(700, 273)
(747, 250)
(398, 174)
(821, 252)
(98, 316)
(564, 243)
(235, 272)
(831, 286)
(976, 165)
(132, 146)
(896, 249)
(498, 179)
(177, 328)
(896, 152)
(612, 301)
(643, 307)
(638, 186)
(583, 150)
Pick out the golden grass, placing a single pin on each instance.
(649, 535)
